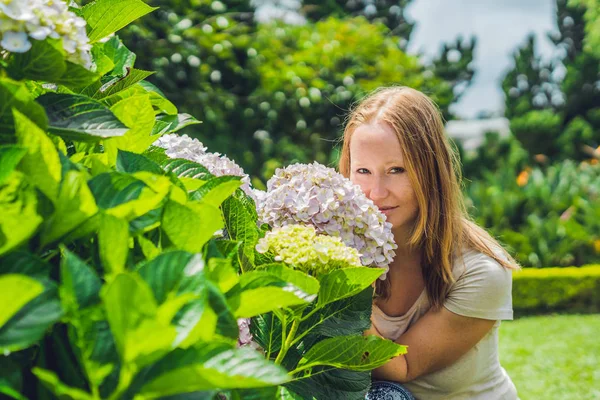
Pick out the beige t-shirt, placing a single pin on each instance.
(482, 289)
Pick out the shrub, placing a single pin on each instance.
(546, 290)
(545, 216)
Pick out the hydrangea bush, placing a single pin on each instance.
(317, 195)
(113, 283)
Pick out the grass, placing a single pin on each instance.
(553, 357)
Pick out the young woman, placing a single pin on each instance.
(450, 282)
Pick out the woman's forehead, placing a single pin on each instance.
(375, 141)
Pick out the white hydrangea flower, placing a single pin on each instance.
(15, 42)
(21, 20)
(317, 195)
(183, 146)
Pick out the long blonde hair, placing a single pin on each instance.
(443, 227)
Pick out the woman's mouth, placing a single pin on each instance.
(387, 210)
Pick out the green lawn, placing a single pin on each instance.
(553, 357)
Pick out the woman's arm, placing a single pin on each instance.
(436, 340)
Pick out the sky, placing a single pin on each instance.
(500, 26)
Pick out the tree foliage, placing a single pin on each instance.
(555, 115)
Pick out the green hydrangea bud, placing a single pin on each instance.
(302, 248)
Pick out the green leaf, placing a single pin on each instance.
(252, 302)
(149, 249)
(45, 61)
(226, 323)
(212, 365)
(221, 272)
(158, 100)
(16, 95)
(79, 118)
(10, 156)
(111, 85)
(145, 223)
(41, 163)
(108, 16)
(349, 316)
(181, 167)
(104, 63)
(177, 273)
(216, 190)
(74, 206)
(172, 123)
(129, 196)
(62, 391)
(113, 243)
(15, 292)
(156, 154)
(76, 77)
(285, 394)
(137, 114)
(80, 285)
(357, 353)
(132, 314)
(18, 205)
(131, 162)
(328, 383)
(190, 226)
(305, 282)
(164, 273)
(227, 248)
(111, 189)
(266, 331)
(256, 394)
(98, 350)
(25, 263)
(346, 282)
(30, 323)
(198, 320)
(122, 58)
(240, 221)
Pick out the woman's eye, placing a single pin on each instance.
(397, 170)
(362, 171)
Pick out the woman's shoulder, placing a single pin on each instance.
(474, 264)
(482, 287)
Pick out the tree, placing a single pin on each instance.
(592, 21)
(391, 13)
(553, 115)
(454, 61)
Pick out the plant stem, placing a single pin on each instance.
(301, 369)
(282, 351)
(288, 341)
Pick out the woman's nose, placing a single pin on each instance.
(378, 190)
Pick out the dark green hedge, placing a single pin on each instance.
(572, 289)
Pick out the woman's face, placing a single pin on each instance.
(377, 166)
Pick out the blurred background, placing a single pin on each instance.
(518, 83)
